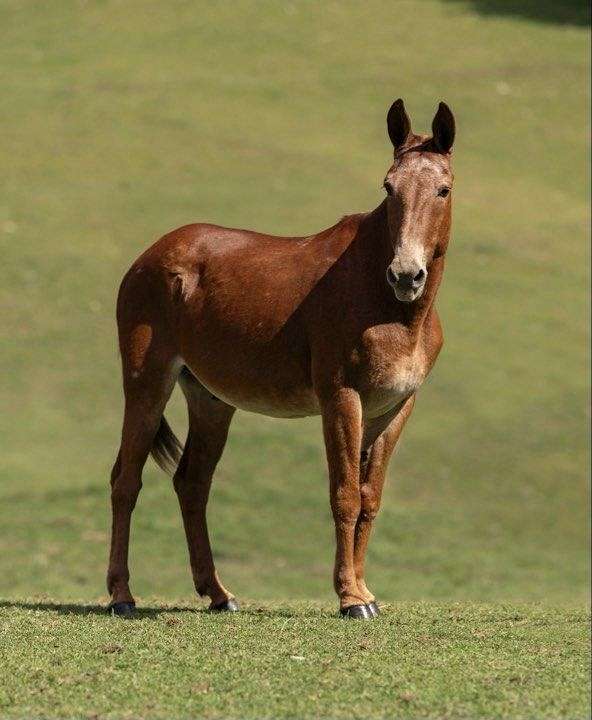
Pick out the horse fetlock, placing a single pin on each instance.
(120, 592)
(364, 592)
(205, 584)
(347, 588)
(202, 588)
(347, 599)
(208, 583)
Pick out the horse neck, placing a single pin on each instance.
(375, 225)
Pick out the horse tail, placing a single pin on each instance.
(166, 448)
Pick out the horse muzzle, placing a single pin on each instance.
(408, 286)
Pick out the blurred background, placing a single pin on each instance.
(125, 119)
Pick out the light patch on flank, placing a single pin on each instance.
(139, 344)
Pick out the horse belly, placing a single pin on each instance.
(296, 404)
(269, 396)
(270, 378)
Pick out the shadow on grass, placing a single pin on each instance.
(82, 609)
(154, 612)
(560, 12)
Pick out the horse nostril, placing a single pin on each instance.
(405, 281)
(391, 276)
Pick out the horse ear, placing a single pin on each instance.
(398, 124)
(443, 128)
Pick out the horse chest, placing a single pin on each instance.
(391, 376)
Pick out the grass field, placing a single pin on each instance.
(295, 661)
(126, 119)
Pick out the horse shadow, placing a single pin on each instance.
(150, 612)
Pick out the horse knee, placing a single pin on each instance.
(370, 503)
(345, 504)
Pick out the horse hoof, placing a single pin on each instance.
(374, 609)
(229, 605)
(122, 609)
(356, 612)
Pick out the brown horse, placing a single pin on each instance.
(341, 324)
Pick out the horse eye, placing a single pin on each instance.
(388, 187)
(443, 191)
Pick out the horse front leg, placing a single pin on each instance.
(342, 429)
(372, 476)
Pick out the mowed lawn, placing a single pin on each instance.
(124, 120)
(419, 660)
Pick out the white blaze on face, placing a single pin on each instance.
(409, 260)
(415, 189)
(416, 181)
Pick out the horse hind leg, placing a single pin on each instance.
(209, 420)
(144, 431)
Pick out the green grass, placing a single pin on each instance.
(419, 660)
(126, 119)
